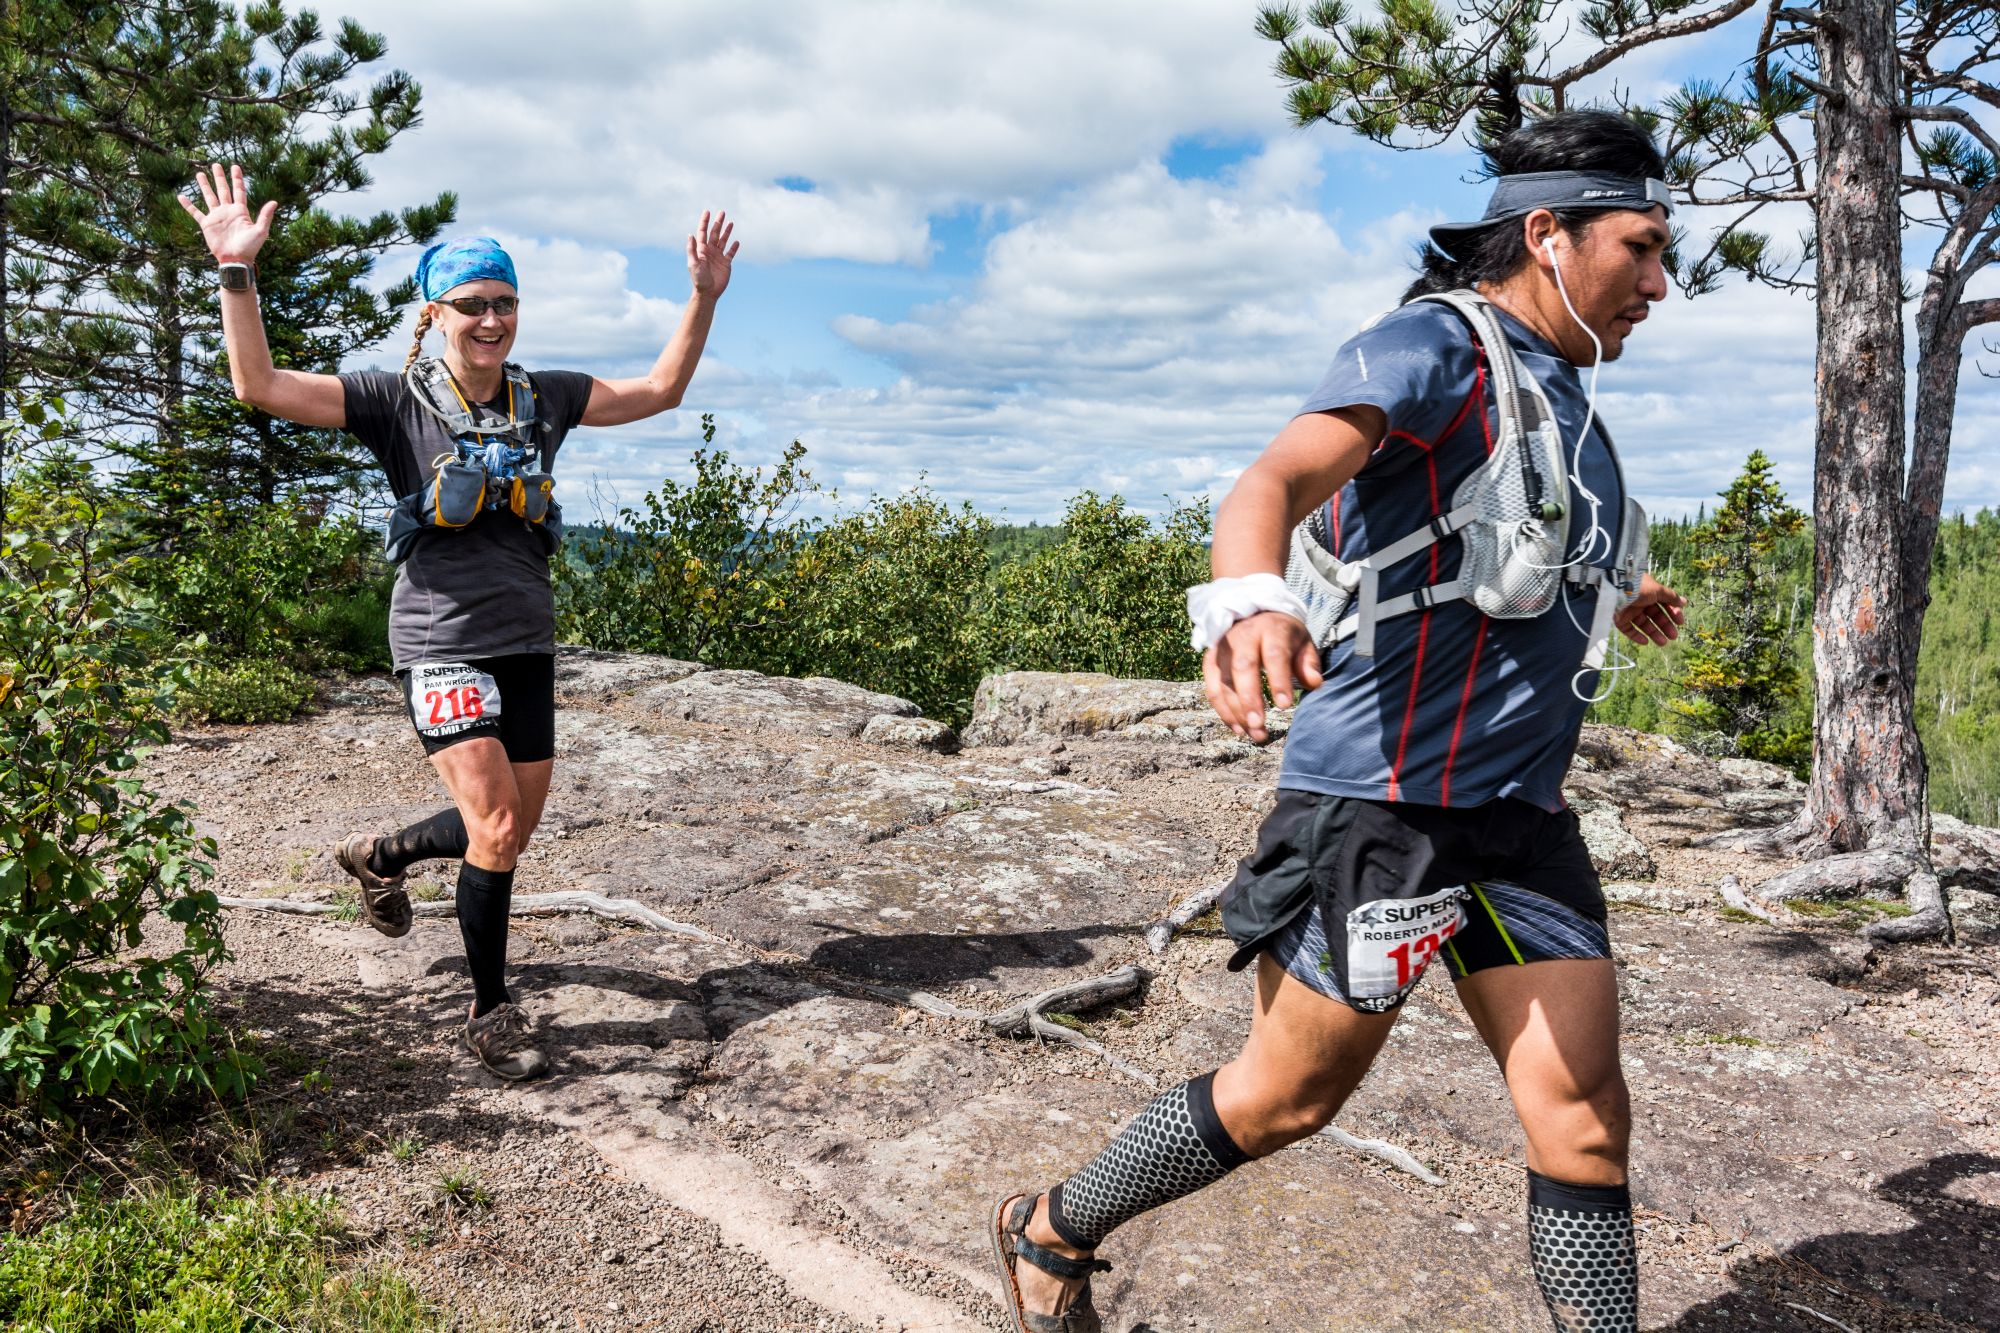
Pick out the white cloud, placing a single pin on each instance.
(1125, 330)
(617, 123)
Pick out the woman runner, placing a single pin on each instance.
(472, 617)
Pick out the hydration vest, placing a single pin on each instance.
(1511, 517)
(488, 470)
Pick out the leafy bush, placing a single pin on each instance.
(288, 580)
(86, 852)
(891, 598)
(1110, 596)
(246, 690)
(696, 574)
(177, 1258)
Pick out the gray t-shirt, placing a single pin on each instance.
(478, 591)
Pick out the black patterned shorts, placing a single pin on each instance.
(1356, 898)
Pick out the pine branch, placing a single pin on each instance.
(1953, 115)
(1663, 30)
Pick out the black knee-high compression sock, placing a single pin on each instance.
(1173, 1148)
(1580, 1240)
(483, 899)
(439, 838)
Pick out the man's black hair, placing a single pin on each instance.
(1566, 141)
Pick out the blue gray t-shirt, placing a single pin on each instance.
(1454, 708)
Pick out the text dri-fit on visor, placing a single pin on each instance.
(1454, 708)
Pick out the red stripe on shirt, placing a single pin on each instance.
(1410, 707)
(1464, 703)
(1477, 396)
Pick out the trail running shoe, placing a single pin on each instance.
(503, 1039)
(385, 902)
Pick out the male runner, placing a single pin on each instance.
(1426, 777)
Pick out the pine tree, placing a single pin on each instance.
(112, 105)
(1738, 679)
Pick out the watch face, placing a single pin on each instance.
(235, 277)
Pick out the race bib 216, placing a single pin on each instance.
(448, 697)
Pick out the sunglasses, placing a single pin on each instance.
(475, 306)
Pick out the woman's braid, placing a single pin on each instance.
(417, 343)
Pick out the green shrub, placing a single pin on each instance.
(890, 598)
(175, 1258)
(345, 631)
(1110, 596)
(265, 581)
(87, 1004)
(246, 690)
(694, 574)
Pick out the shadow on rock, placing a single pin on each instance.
(1942, 1273)
(948, 960)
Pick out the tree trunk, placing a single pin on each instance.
(1868, 786)
(1940, 341)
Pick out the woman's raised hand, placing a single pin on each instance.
(233, 236)
(710, 254)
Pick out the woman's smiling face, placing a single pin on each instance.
(477, 342)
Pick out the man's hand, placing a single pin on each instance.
(1271, 644)
(232, 235)
(710, 254)
(1653, 616)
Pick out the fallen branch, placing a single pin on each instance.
(1384, 1152)
(1827, 1317)
(573, 901)
(1038, 788)
(1192, 906)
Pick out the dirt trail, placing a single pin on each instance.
(744, 1134)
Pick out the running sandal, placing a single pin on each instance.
(504, 1041)
(1011, 1245)
(385, 902)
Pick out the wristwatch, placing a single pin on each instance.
(235, 277)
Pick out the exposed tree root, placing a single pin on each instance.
(1855, 874)
(1026, 1018)
(1732, 893)
(1844, 876)
(574, 901)
(1929, 918)
(1192, 906)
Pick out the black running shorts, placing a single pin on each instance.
(512, 699)
(1356, 898)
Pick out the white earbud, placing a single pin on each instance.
(1549, 244)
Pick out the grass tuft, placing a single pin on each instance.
(173, 1255)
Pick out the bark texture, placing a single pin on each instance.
(1868, 787)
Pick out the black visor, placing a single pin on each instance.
(1570, 191)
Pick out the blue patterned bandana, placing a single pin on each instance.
(468, 259)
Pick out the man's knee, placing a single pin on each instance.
(1266, 1112)
(1580, 1132)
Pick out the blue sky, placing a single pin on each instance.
(1016, 250)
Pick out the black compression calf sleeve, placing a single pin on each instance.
(1580, 1240)
(483, 899)
(439, 838)
(1173, 1148)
